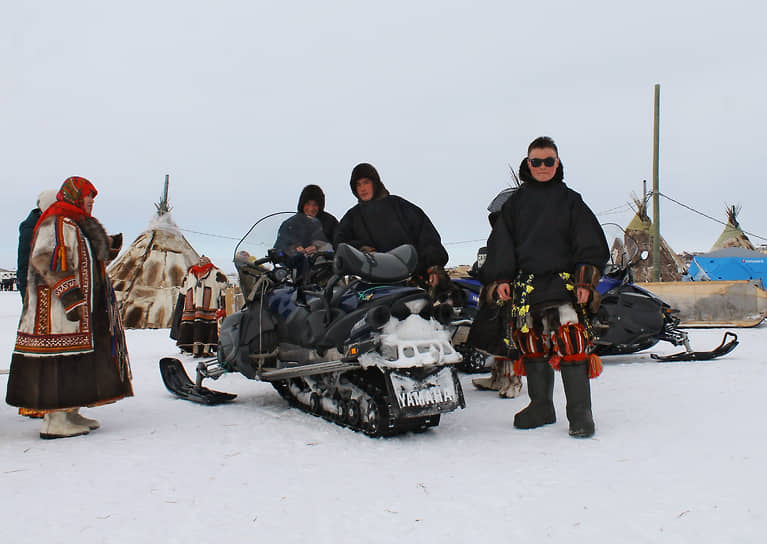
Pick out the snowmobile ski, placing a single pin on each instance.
(723, 348)
(177, 382)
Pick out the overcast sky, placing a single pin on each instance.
(244, 103)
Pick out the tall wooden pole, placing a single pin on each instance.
(656, 264)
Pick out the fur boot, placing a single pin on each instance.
(76, 418)
(540, 388)
(501, 379)
(58, 425)
(492, 382)
(575, 378)
(511, 384)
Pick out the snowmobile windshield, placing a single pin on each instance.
(624, 250)
(288, 232)
(281, 240)
(261, 237)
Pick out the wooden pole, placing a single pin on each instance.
(163, 207)
(656, 264)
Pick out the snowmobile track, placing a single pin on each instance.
(379, 419)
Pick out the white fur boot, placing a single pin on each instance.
(58, 425)
(76, 418)
(501, 379)
(492, 382)
(511, 384)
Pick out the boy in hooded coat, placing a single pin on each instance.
(381, 221)
(546, 253)
(313, 195)
(311, 228)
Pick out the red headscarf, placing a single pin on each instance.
(70, 200)
(201, 268)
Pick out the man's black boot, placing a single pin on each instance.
(540, 389)
(575, 378)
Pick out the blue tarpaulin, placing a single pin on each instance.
(732, 263)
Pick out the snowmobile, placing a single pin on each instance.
(630, 319)
(338, 334)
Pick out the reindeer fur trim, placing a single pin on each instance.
(587, 276)
(100, 241)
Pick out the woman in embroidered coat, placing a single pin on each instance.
(70, 346)
(203, 286)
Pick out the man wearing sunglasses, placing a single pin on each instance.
(545, 255)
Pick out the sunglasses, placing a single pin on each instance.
(548, 161)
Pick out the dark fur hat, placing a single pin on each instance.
(311, 192)
(365, 170)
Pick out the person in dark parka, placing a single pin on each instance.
(312, 203)
(546, 253)
(381, 221)
(311, 229)
(26, 230)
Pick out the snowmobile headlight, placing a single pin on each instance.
(415, 306)
(389, 352)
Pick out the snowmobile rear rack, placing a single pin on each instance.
(723, 348)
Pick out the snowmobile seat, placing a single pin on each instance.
(392, 266)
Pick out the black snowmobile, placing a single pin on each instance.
(630, 318)
(338, 334)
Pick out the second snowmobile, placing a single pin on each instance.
(630, 319)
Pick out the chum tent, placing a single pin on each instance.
(732, 235)
(147, 277)
(638, 238)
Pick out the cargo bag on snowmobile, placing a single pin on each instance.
(246, 340)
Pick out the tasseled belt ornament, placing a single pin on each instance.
(572, 343)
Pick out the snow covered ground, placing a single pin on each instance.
(678, 457)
